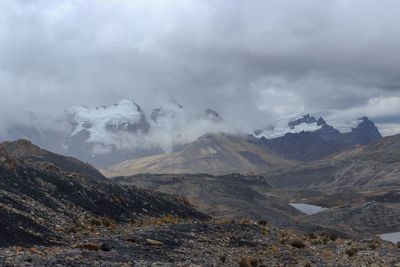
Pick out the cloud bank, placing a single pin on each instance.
(250, 61)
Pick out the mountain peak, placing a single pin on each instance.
(321, 121)
(21, 147)
(294, 123)
(304, 119)
(126, 116)
(166, 112)
(366, 131)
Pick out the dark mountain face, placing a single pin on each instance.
(365, 132)
(26, 151)
(39, 199)
(315, 145)
(304, 146)
(365, 167)
(305, 119)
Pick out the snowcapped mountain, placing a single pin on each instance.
(167, 111)
(294, 123)
(168, 117)
(108, 134)
(303, 137)
(297, 123)
(102, 123)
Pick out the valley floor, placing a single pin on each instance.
(162, 242)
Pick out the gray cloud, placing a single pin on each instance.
(251, 61)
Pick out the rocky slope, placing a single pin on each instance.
(54, 215)
(28, 152)
(39, 201)
(367, 167)
(211, 153)
(232, 196)
(360, 187)
(361, 218)
(214, 243)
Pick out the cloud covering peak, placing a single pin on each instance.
(250, 61)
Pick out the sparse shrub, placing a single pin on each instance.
(263, 222)
(312, 235)
(162, 220)
(73, 230)
(244, 263)
(307, 265)
(330, 236)
(298, 244)
(133, 240)
(284, 234)
(254, 262)
(154, 242)
(185, 201)
(91, 246)
(244, 221)
(107, 222)
(78, 223)
(118, 199)
(315, 242)
(93, 229)
(95, 222)
(373, 245)
(351, 251)
(263, 230)
(282, 241)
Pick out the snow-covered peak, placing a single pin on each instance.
(103, 120)
(166, 112)
(294, 123)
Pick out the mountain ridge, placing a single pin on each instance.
(373, 165)
(211, 153)
(310, 143)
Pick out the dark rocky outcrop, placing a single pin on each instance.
(25, 150)
(39, 198)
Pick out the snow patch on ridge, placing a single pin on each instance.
(96, 120)
(282, 127)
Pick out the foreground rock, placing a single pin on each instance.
(203, 244)
(40, 202)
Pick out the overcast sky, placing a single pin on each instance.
(249, 60)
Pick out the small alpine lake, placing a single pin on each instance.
(307, 208)
(391, 237)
